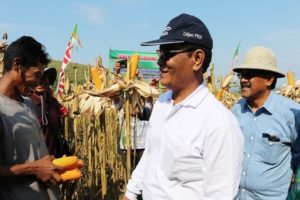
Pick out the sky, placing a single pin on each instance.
(124, 24)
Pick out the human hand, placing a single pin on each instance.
(293, 177)
(46, 171)
(124, 198)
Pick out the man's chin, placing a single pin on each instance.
(245, 94)
(165, 84)
(26, 94)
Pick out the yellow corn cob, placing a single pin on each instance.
(67, 162)
(227, 80)
(70, 174)
(96, 78)
(219, 93)
(291, 79)
(133, 65)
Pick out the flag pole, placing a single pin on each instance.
(74, 41)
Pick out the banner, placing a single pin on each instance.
(147, 64)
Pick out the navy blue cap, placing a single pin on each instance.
(184, 28)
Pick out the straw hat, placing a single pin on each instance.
(260, 58)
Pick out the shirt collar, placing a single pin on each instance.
(268, 105)
(194, 99)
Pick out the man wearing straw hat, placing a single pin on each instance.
(270, 124)
(194, 144)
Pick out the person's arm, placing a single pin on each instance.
(42, 169)
(296, 142)
(223, 153)
(134, 184)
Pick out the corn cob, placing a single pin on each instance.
(227, 80)
(97, 73)
(133, 65)
(68, 162)
(220, 93)
(291, 79)
(70, 174)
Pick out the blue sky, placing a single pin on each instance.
(124, 24)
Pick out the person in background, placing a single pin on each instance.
(26, 169)
(49, 114)
(270, 124)
(139, 127)
(194, 145)
(119, 64)
(117, 68)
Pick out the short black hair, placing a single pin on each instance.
(28, 50)
(207, 51)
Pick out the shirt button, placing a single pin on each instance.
(243, 190)
(248, 155)
(244, 173)
(254, 118)
(252, 137)
(270, 143)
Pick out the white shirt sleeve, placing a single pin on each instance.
(223, 156)
(134, 184)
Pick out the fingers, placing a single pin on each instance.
(56, 177)
(124, 198)
(51, 157)
(52, 182)
(53, 179)
(58, 168)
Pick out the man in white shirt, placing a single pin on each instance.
(194, 145)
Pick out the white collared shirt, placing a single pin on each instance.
(194, 151)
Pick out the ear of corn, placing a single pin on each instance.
(219, 93)
(70, 174)
(96, 78)
(227, 80)
(291, 79)
(133, 65)
(67, 162)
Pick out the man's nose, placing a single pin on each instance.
(161, 62)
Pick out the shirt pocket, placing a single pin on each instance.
(272, 147)
(179, 162)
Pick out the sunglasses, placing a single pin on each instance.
(168, 53)
(250, 74)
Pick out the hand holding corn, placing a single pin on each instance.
(70, 165)
(46, 171)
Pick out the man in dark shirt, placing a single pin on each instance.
(49, 115)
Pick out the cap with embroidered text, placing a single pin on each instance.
(184, 28)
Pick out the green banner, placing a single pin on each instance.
(147, 62)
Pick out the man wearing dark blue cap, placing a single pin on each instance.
(194, 145)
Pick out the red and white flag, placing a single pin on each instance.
(74, 41)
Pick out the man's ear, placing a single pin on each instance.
(198, 56)
(16, 64)
(270, 80)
